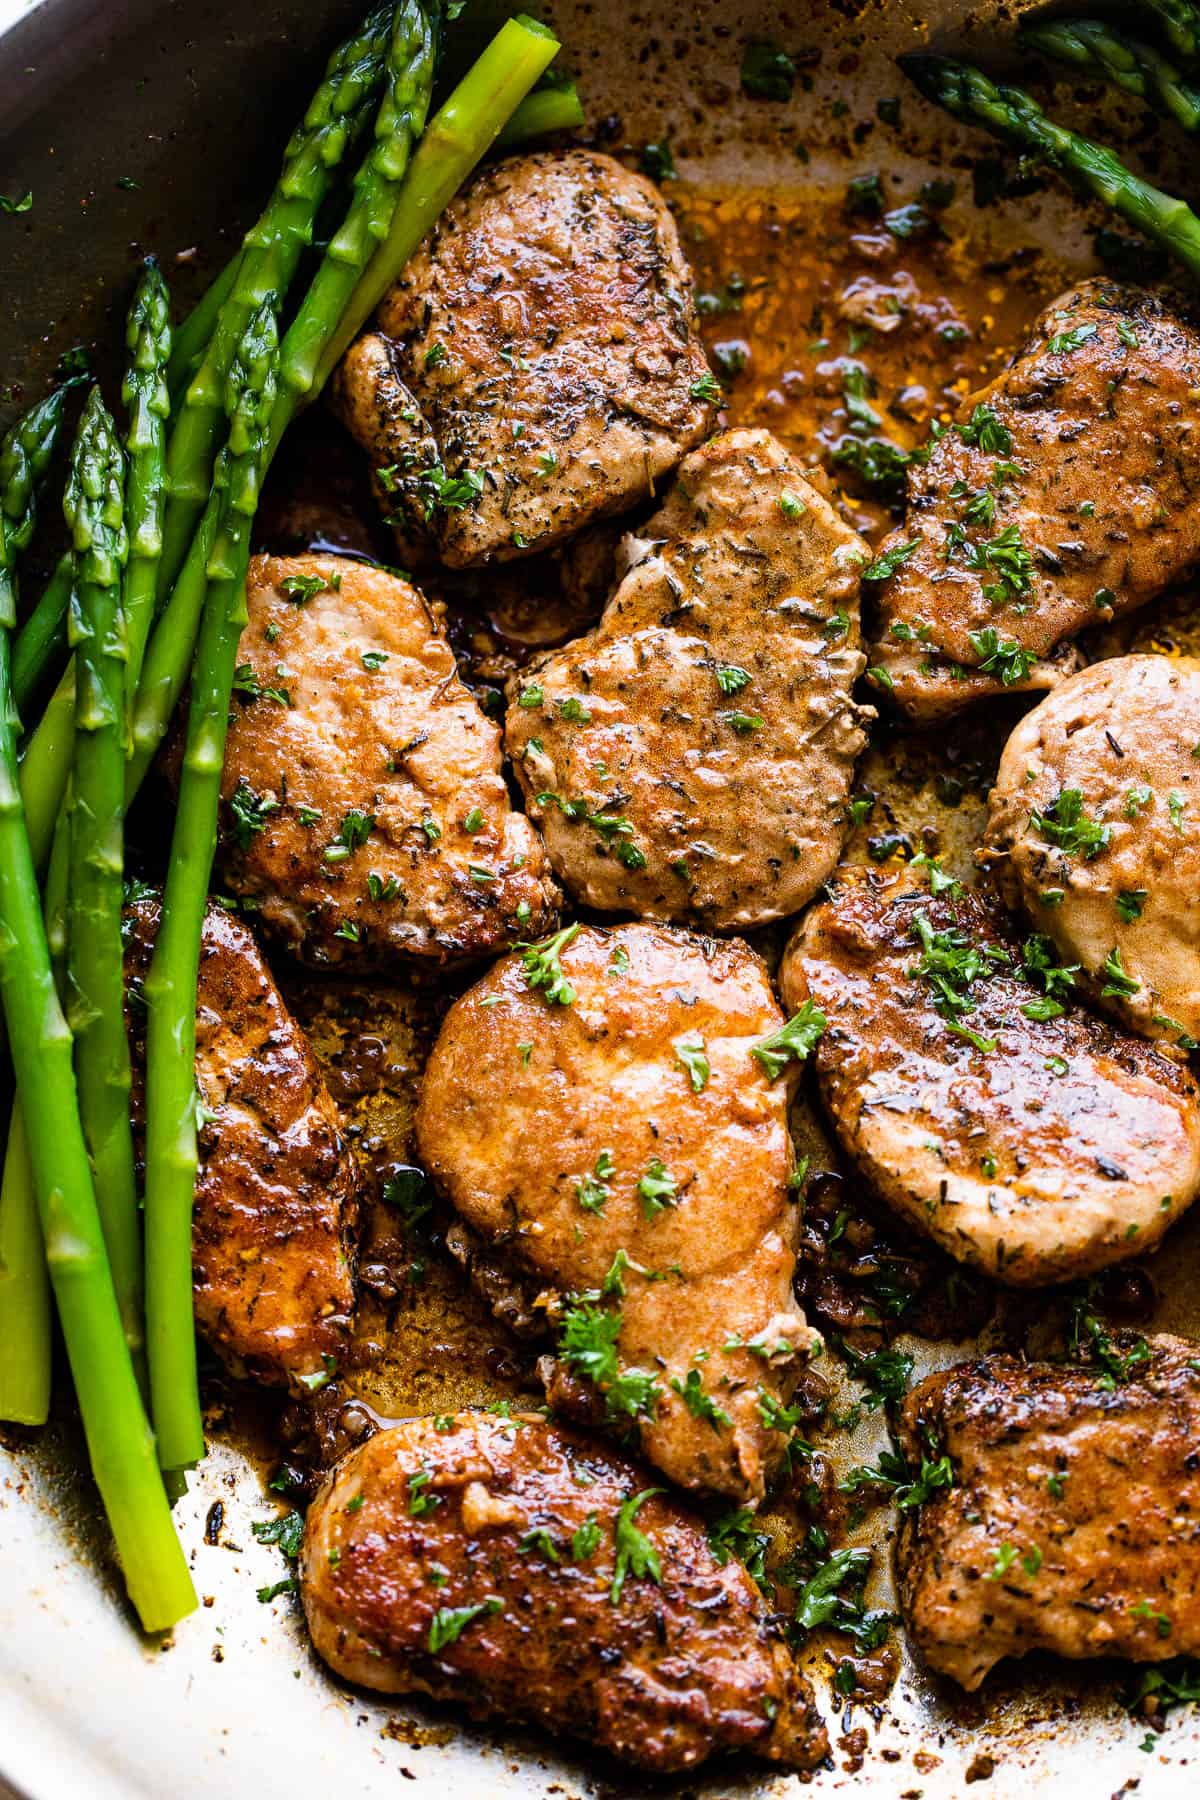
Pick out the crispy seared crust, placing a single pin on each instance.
(1067, 1147)
(521, 1098)
(665, 1677)
(1106, 422)
(277, 1197)
(402, 743)
(732, 800)
(546, 334)
(1073, 1524)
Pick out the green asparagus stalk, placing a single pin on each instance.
(461, 132)
(540, 113)
(339, 110)
(1012, 114)
(1135, 67)
(120, 1443)
(191, 339)
(25, 1317)
(42, 636)
(24, 458)
(171, 981)
(1180, 22)
(94, 507)
(144, 392)
(401, 119)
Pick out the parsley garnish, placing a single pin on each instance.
(593, 1190)
(1065, 341)
(733, 1534)
(731, 679)
(798, 1038)
(997, 657)
(543, 967)
(691, 1053)
(886, 565)
(951, 963)
(449, 1622)
(656, 1189)
(1120, 982)
(1064, 823)
(986, 431)
(353, 832)
(636, 1555)
(449, 493)
(700, 1404)
(250, 812)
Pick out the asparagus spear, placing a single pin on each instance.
(1135, 67)
(144, 392)
(119, 1440)
(43, 634)
(95, 511)
(547, 110)
(453, 143)
(1010, 113)
(171, 981)
(1180, 21)
(339, 110)
(401, 120)
(24, 458)
(191, 339)
(460, 133)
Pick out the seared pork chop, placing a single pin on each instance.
(692, 756)
(277, 1195)
(365, 811)
(1065, 493)
(526, 1571)
(537, 365)
(1094, 829)
(1073, 1521)
(1023, 1135)
(614, 1135)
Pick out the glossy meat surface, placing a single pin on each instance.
(573, 1138)
(691, 757)
(519, 1523)
(1073, 1524)
(546, 336)
(365, 810)
(1051, 1147)
(1117, 744)
(1065, 493)
(277, 1196)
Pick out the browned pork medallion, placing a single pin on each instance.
(596, 1109)
(277, 1194)
(525, 1572)
(536, 366)
(1021, 1133)
(1065, 493)
(1094, 828)
(365, 812)
(691, 757)
(1073, 1520)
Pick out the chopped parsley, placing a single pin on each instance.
(997, 657)
(353, 832)
(1063, 342)
(731, 679)
(449, 1622)
(593, 1191)
(768, 73)
(987, 432)
(1129, 904)
(657, 1189)
(419, 1502)
(287, 1531)
(700, 1404)
(586, 1539)
(1065, 824)
(885, 565)
(1119, 982)
(691, 1053)
(733, 1535)
(300, 589)
(448, 493)
(246, 681)
(636, 1555)
(798, 1039)
(951, 964)
(543, 966)
(708, 389)
(250, 812)
(373, 660)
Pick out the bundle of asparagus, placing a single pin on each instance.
(1131, 64)
(150, 594)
